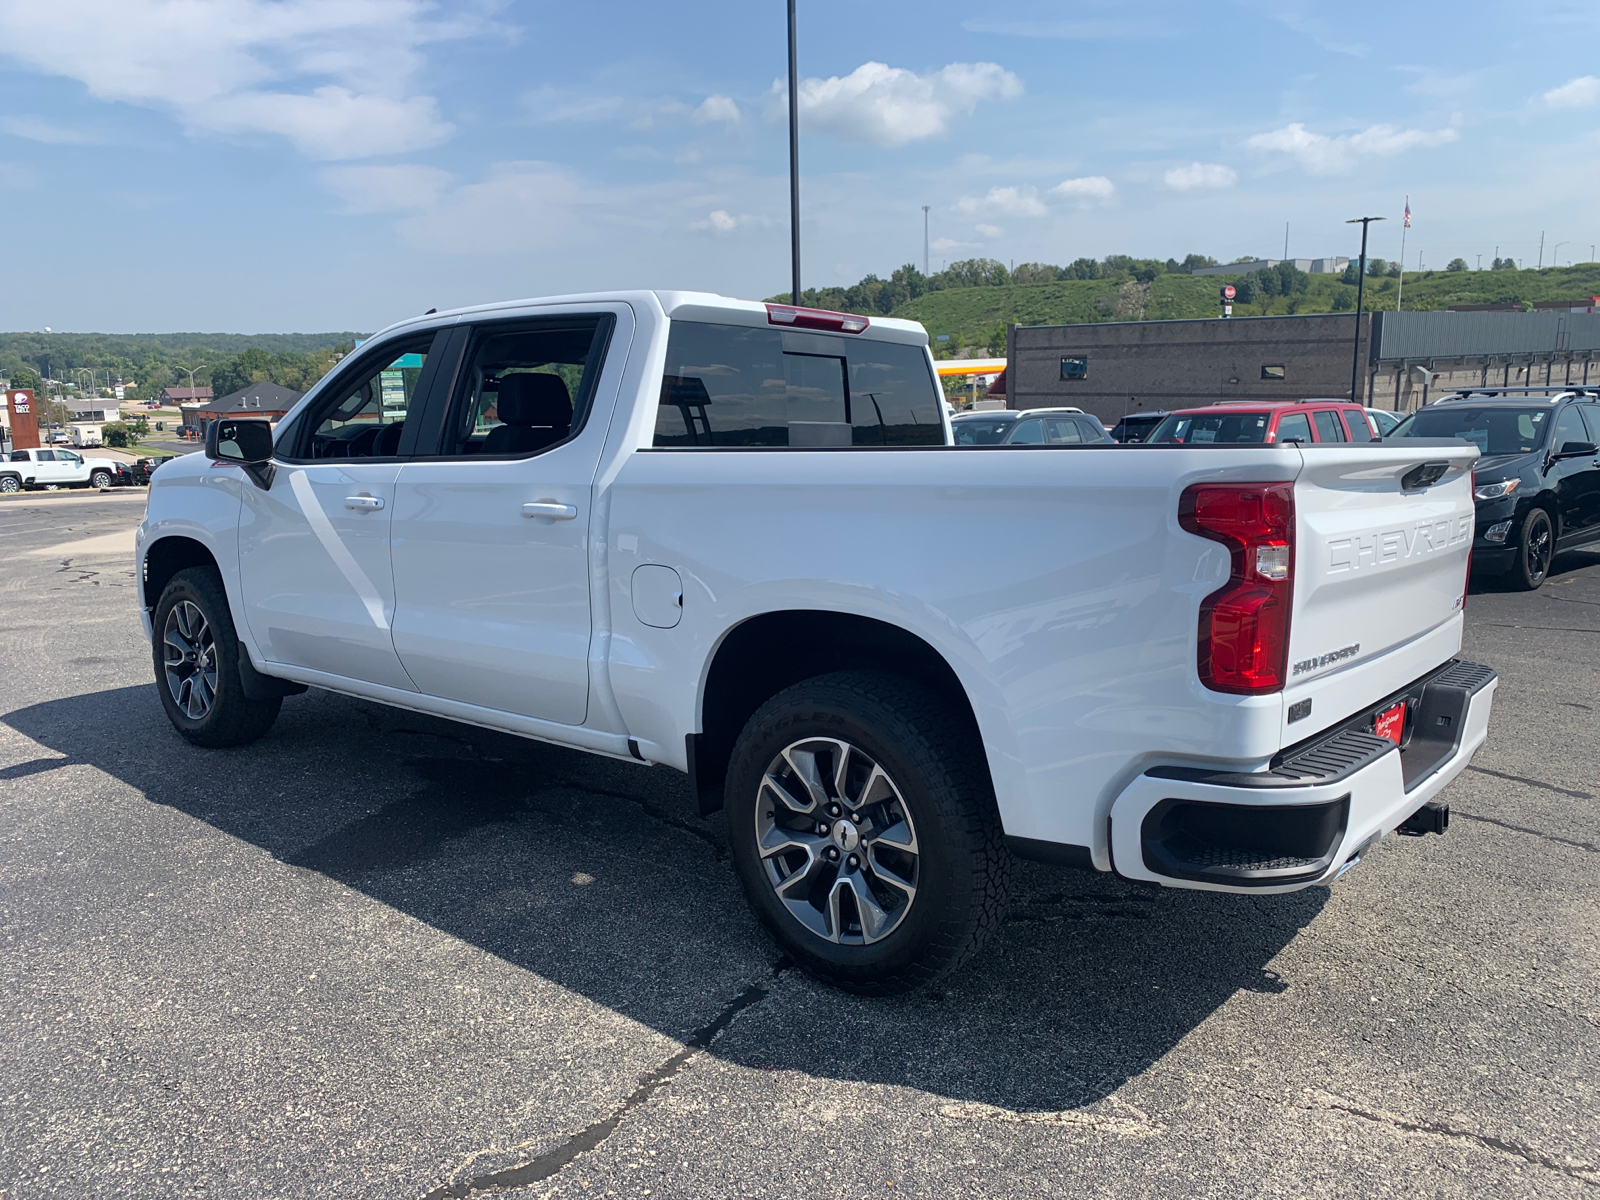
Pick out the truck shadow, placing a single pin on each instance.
(598, 876)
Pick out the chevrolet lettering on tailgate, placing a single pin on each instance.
(1366, 550)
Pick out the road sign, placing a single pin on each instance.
(1227, 292)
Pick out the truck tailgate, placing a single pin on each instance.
(1382, 540)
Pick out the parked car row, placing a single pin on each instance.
(49, 469)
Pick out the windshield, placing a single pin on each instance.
(1204, 429)
(1492, 430)
(980, 433)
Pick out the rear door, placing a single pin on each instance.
(1574, 480)
(1328, 426)
(492, 522)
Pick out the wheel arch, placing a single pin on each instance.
(165, 557)
(770, 651)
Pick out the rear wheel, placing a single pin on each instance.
(10, 483)
(1535, 548)
(100, 479)
(197, 664)
(865, 832)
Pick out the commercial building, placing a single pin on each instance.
(269, 401)
(1311, 266)
(1114, 368)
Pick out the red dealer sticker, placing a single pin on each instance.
(1391, 723)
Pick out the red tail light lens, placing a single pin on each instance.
(815, 318)
(1244, 624)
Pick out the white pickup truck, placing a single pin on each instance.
(53, 468)
(734, 539)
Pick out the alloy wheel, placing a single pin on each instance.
(836, 841)
(190, 659)
(1540, 547)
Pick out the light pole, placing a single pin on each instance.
(1555, 257)
(1361, 288)
(925, 263)
(794, 159)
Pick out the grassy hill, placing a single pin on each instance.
(976, 317)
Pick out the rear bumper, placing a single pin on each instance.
(1316, 810)
(1493, 559)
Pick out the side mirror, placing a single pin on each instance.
(1577, 450)
(247, 444)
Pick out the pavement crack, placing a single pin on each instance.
(1591, 847)
(718, 846)
(554, 1161)
(1584, 1172)
(1549, 787)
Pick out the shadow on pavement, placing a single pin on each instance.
(598, 876)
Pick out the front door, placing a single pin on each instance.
(1576, 480)
(491, 530)
(318, 585)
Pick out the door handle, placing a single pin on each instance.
(550, 510)
(365, 503)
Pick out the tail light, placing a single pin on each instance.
(815, 318)
(1244, 624)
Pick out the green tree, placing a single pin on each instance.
(116, 434)
(1377, 266)
(1457, 264)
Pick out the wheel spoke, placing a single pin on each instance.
(779, 840)
(877, 788)
(804, 765)
(175, 640)
(875, 922)
(786, 797)
(899, 835)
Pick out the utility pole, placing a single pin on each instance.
(1480, 262)
(926, 264)
(1541, 250)
(1361, 287)
(1286, 241)
(794, 158)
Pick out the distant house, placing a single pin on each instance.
(188, 395)
(269, 401)
(93, 409)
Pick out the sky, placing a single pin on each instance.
(305, 165)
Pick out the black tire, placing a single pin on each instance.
(961, 867)
(100, 479)
(230, 718)
(1536, 546)
(10, 483)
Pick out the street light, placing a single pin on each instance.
(1555, 258)
(794, 159)
(1361, 288)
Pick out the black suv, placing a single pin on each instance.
(1136, 427)
(1537, 484)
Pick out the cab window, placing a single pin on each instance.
(1294, 427)
(1027, 433)
(1360, 431)
(365, 417)
(1328, 427)
(1569, 428)
(1063, 431)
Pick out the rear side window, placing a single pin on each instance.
(1360, 431)
(1027, 433)
(1063, 431)
(1294, 427)
(1328, 427)
(1205, 429)
(734, 386)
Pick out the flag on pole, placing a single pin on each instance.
(1408, 212)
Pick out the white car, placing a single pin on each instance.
(1383, 420)
(52, 468)
(736, 540)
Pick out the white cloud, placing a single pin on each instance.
(717, 108)
(386, 189)
(521, 206)
(1324, 155)
(334, 77)
(1200, 175)
(1582, 92)
(943, 244)
(1086, 187)
(1006, 201)
(890, 106)
(989, 231)
(719, 221)
(37, 129)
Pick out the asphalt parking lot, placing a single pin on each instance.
(380, 955)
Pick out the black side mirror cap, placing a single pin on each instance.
(244, 443)
(1577, 450)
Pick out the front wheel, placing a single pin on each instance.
(863, 828)
(100, 479)
(10, 483)
(1535, 548)
(197, 655)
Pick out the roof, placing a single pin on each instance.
(188, 393)
(256, 397)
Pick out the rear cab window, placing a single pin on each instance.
(1213, 428)
(737, 386)
(1329, 429)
